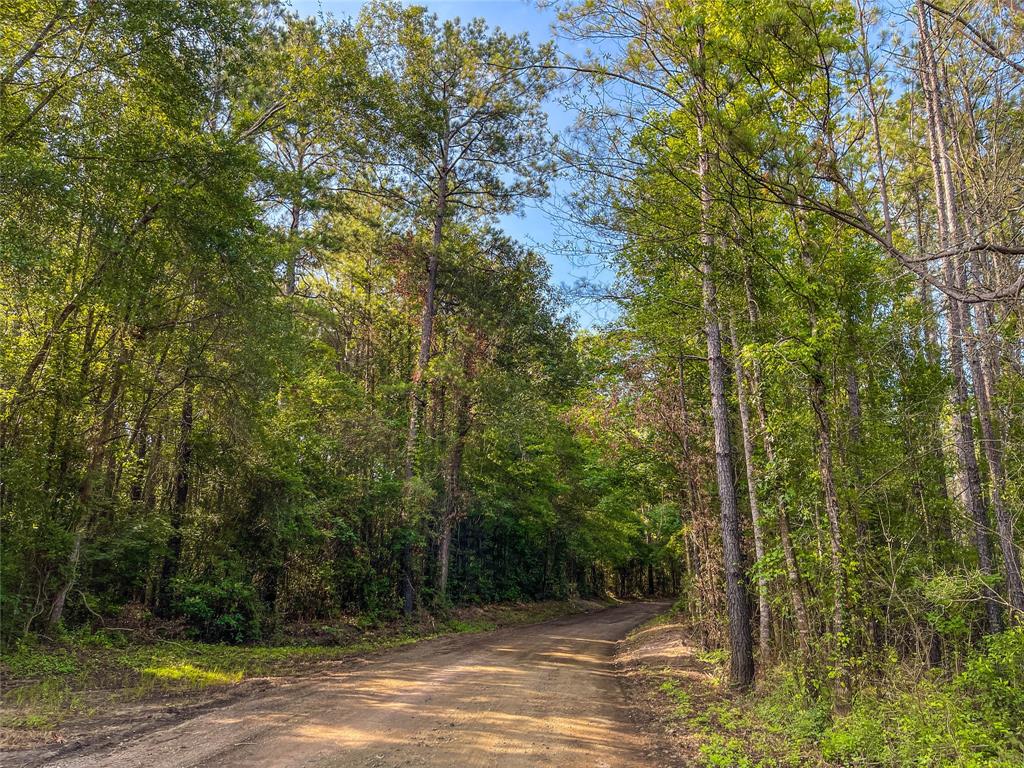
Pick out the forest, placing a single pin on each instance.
(268, 357)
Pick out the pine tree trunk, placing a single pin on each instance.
(291, 268)
(763, 607)
(948, 237)
(997, 480)
(741, 657)
(416, 392)
(741, 660)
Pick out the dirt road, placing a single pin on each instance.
(541, 695)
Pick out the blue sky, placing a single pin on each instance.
(538, 226)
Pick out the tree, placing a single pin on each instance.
(467, 137)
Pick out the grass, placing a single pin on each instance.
(190, 675)
(45, 685)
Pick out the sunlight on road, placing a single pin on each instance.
(529, 696)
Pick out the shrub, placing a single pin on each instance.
(975, 720)
(226, 611)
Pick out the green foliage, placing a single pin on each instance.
(682, 705)
(974, 718)
(225, 611)
(26, 661)
(994, 681)
(721, 751)
(213, 219)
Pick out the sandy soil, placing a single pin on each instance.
(648, 658)
(540, 695)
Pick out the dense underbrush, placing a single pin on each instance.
(902, 714)
(915, 717)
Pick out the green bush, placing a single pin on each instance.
(971, 720)
(226, 611)
(975, 720)
(791, 708)
(995, 680)
(28, 660)
(719, 751)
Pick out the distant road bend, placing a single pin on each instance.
(540, 695)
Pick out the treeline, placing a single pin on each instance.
(264, 355)
(815, 211)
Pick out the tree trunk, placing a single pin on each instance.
(763, 607)
(857, 513)
(741, 657)
(793, 579)
(443, 550)
(179, 498)
(839, 623)
(997, 480)
(291, 269)
(416, 391)
(948, 237)
(57, 608)
(453, 502)
(823, 439)
(883, 186)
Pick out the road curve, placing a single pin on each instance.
(540, 695)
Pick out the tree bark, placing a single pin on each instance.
(948, 236)
(828, 485)
(997, 480)
(741, 656)
(57, 607)
(179, 499)
(291, 268)
(453, 502)
(763, 606)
